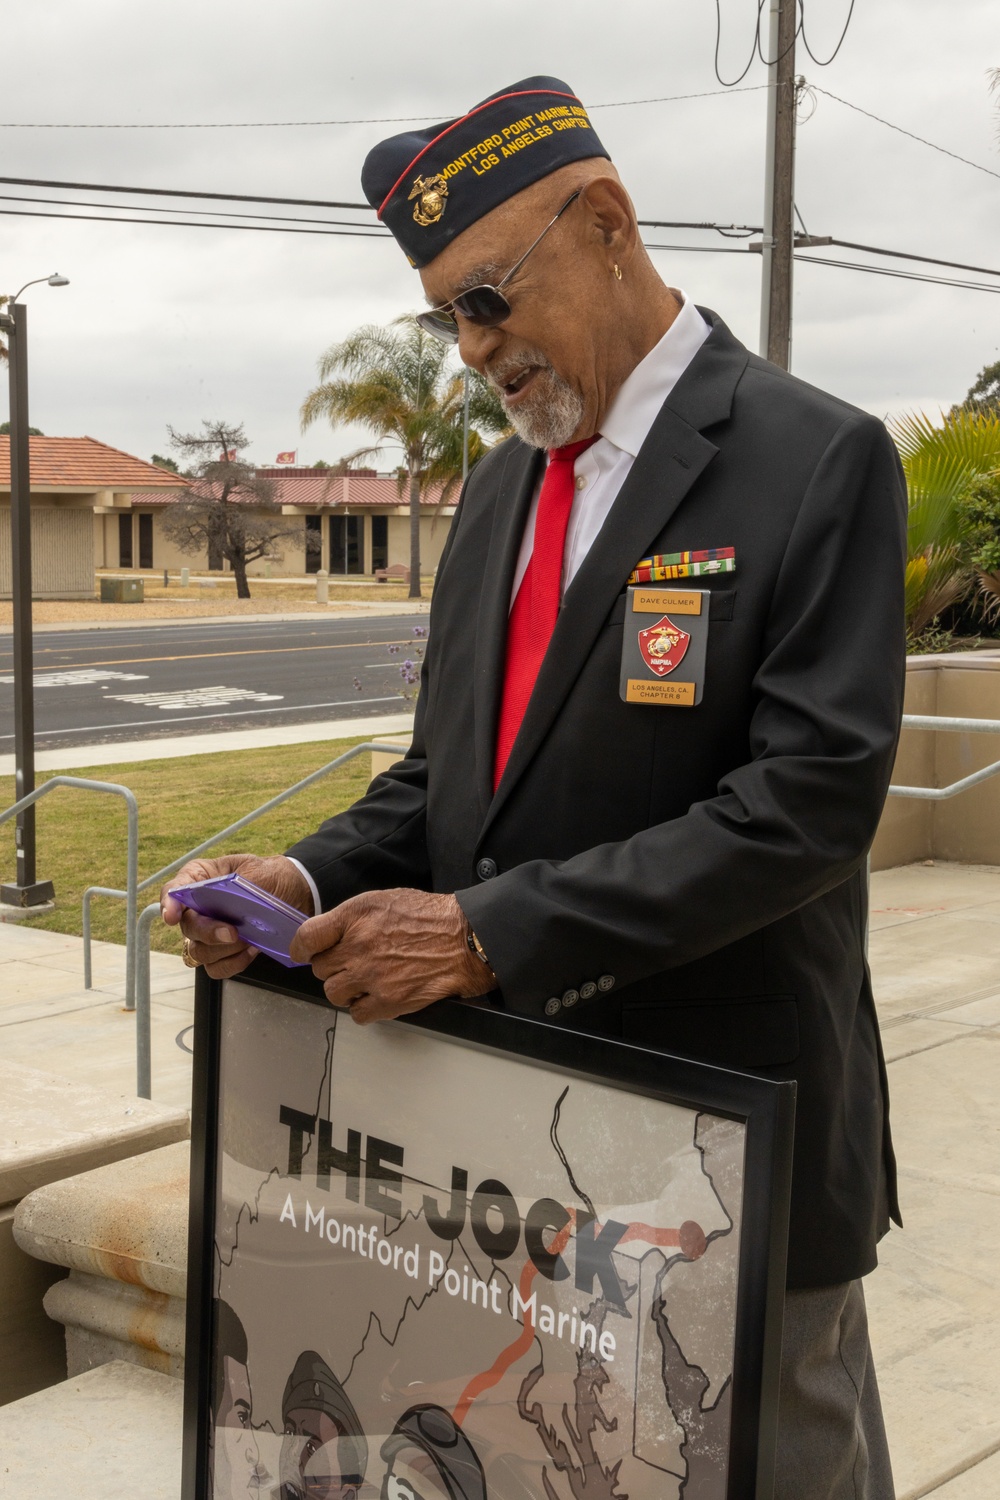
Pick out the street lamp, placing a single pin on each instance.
(27, 890)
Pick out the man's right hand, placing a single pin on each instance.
(214, 944)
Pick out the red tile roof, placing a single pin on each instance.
(319, 487)
(84, 463)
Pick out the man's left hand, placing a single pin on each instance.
(387, 953)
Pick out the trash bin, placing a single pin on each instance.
(122, 590)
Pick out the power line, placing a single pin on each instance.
(109, 187)
(313, 124)
(217, 213)
(805, 39)
(899, 128)
(930, 260)
(852, 265)
(361, 233)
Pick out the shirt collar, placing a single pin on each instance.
(640, 396)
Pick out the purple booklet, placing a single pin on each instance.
(258, 917)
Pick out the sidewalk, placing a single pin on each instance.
(934, 1302)
(181, 746)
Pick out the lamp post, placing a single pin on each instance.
(27, 890)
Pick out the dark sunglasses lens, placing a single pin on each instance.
(440, 325)
(483, 305)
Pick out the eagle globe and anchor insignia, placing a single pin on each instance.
(430, 193)
(663, 646)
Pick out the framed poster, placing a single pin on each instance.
(472, 1257)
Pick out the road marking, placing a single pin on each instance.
(240, 713)
(127, 661)
(203, 697)
(79, 677)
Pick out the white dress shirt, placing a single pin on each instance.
(600, 471)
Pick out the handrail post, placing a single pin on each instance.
(131, 903)
(143, 1009)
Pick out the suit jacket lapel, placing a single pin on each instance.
(673, 456)
(517, 485)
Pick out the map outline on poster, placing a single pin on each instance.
(467, 1256)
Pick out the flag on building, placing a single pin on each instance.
(287, 458)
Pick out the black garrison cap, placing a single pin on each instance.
(435, 1433)
(312, 1386)
(430, 184)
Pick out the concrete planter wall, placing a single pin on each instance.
(965, 828)
(51, 1128)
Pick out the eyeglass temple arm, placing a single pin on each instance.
(518, 264)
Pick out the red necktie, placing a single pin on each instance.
(533, 616)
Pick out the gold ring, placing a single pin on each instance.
(192, 963)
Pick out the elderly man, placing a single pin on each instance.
(644, 825)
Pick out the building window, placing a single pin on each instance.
(125, 541)
(145, 541)
(346, 544)
(380, 542)
(314, 543)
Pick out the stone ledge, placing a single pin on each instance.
(107, 1320)
(50, 1128)
(111, 1434)
(126, 1222)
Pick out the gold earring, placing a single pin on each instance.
(618, 271)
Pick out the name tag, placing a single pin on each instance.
(664, 646)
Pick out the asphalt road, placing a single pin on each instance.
(99, 686)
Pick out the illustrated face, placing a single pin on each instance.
(414, 1476)
(235, 1452)
(310, 1457)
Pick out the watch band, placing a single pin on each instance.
(476, 947)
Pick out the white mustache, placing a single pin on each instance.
(506, 370)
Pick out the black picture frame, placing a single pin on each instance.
(765, 1107)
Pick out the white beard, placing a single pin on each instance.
(552, 413)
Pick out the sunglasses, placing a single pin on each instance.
(485, 306)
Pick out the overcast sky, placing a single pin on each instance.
(175, 325)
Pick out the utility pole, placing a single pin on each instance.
(27, 890)
(779, 186)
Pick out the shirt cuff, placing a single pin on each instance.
(317, 903)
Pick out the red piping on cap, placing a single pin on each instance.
(520, 94)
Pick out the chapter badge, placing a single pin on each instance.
(663, 657)
(430, 193)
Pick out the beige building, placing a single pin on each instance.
(360, 523)
(83, 513)
(93, 507)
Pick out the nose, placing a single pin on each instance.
(476, 345)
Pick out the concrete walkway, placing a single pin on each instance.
(934, 1302)
(179, 747)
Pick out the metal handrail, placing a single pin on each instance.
(953, 726)
(131, 867)
(143, 1039)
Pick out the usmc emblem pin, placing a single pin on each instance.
(430, 193)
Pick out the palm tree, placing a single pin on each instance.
(399, 383)
(942, 465)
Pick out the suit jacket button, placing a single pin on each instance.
(486, 869)
(553, 1006)
(570, 998)
(606, 982)
(588, 990)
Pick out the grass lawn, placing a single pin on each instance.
(81, 835)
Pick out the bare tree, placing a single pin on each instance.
(229, 511)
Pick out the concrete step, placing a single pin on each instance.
(111, 1434)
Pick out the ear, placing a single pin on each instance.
(612, 222)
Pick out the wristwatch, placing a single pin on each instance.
(476, 947)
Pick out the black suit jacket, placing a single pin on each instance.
(707, 864)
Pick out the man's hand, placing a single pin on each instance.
(217, 946)
(387, 953)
